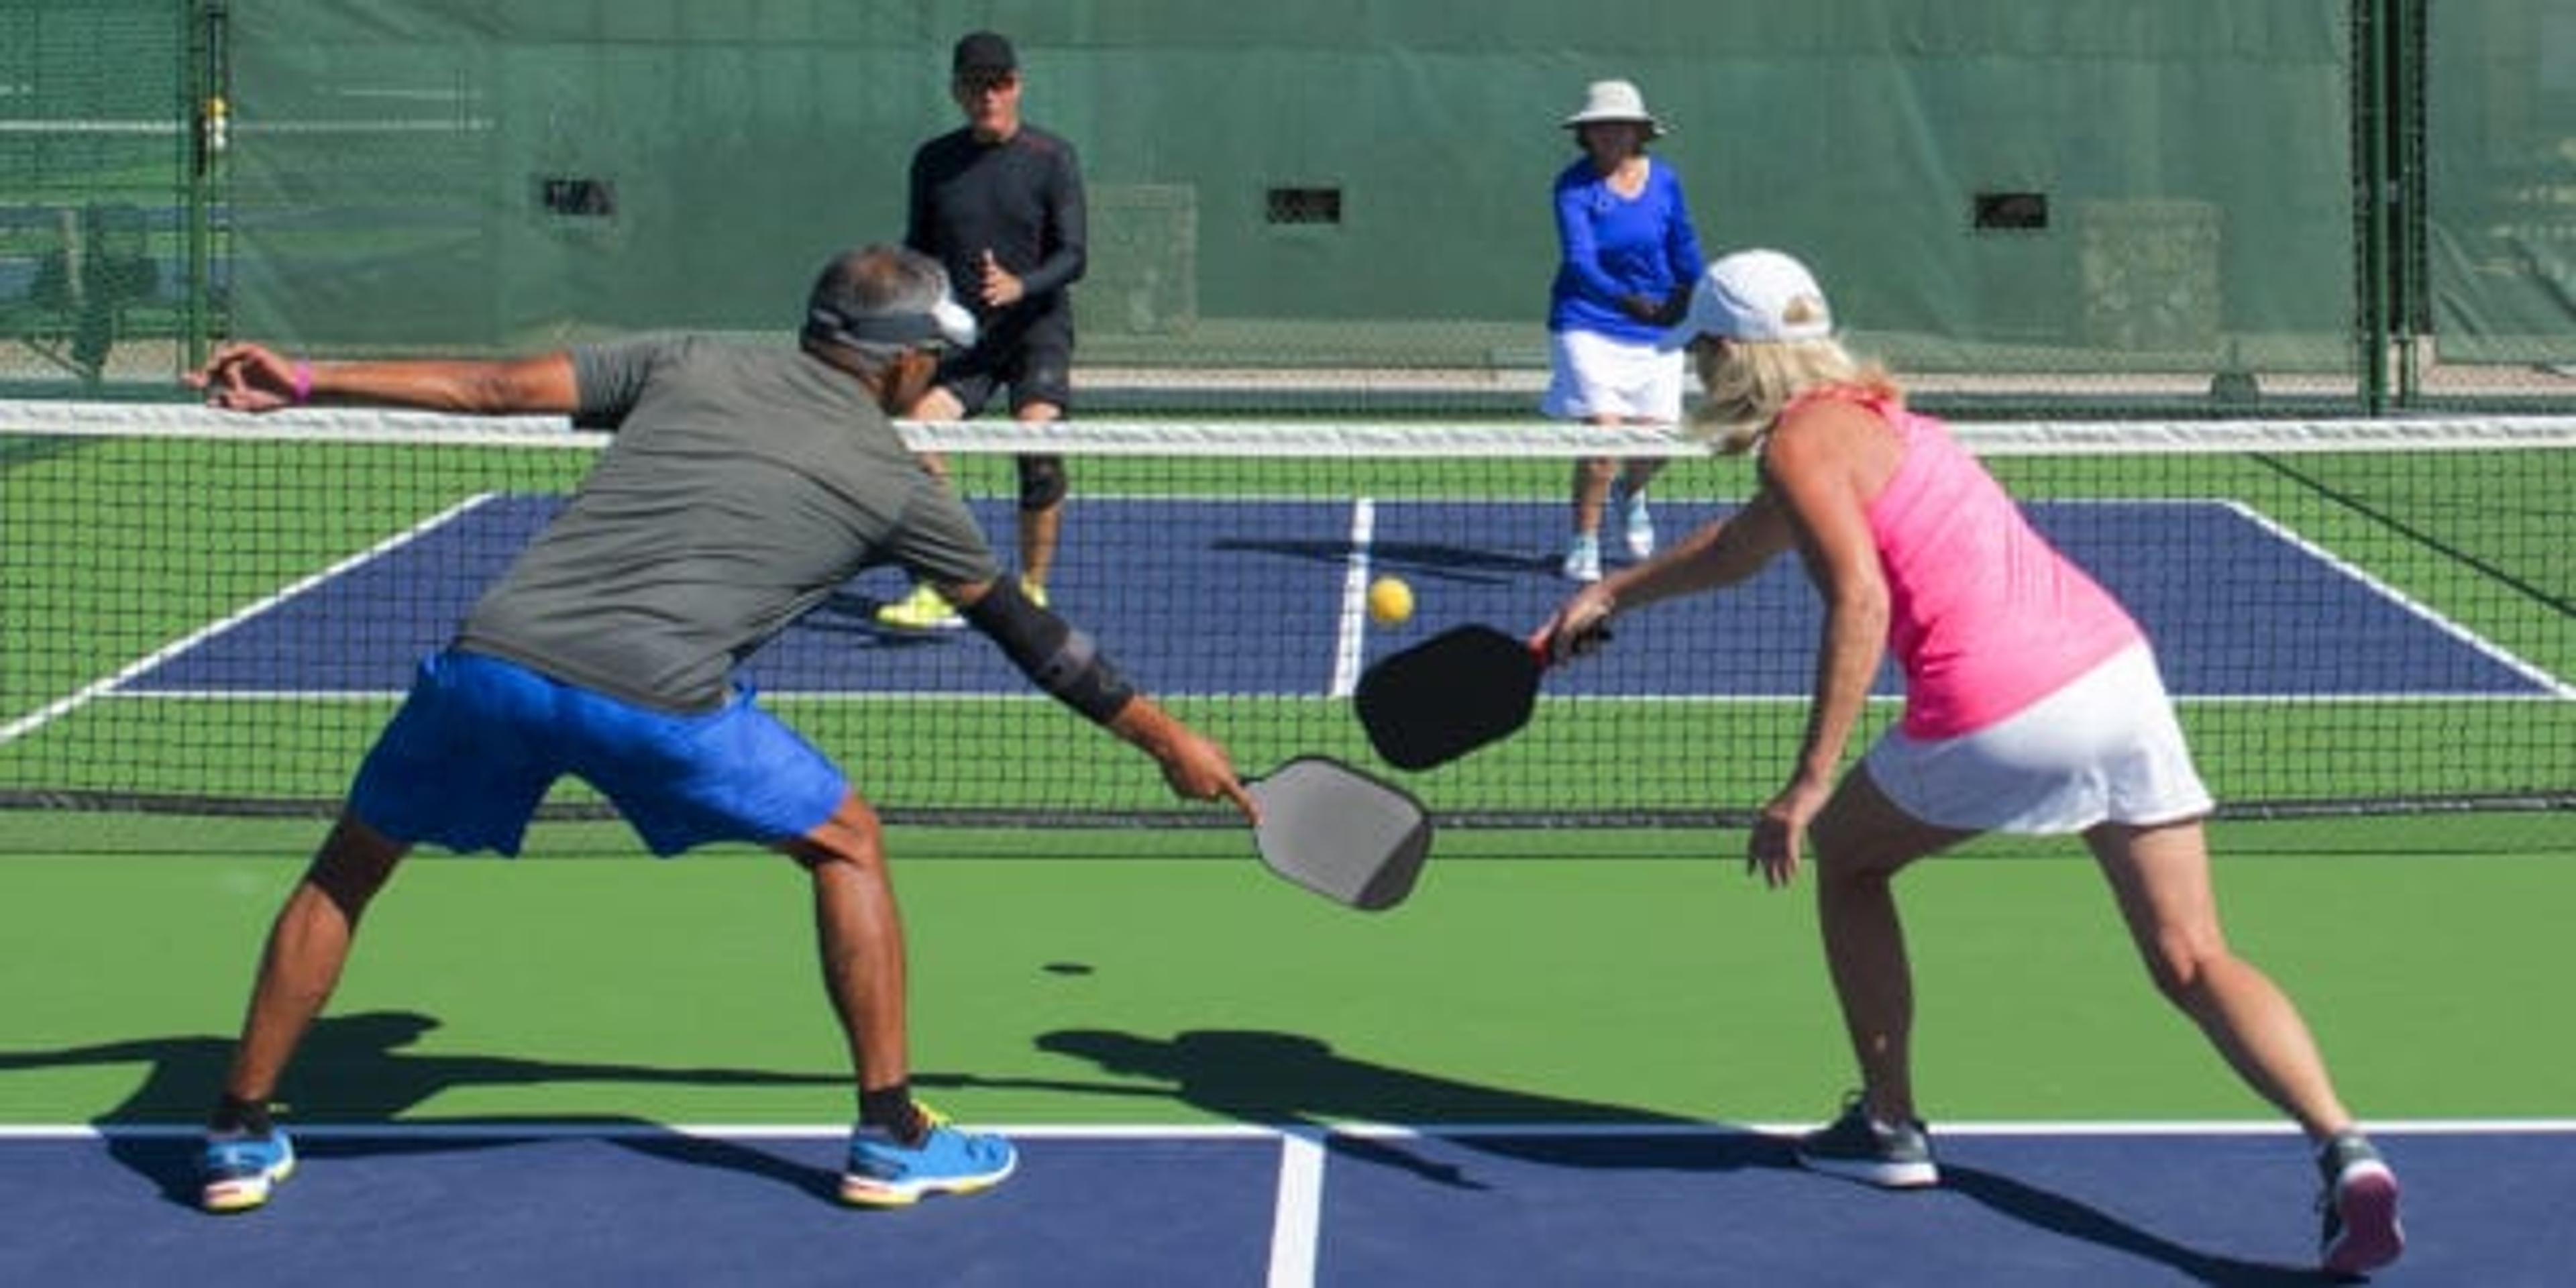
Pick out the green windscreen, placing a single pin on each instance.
(2151, 207)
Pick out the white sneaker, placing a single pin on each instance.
(1639, 525)
(1583, 559)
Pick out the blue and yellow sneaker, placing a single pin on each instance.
(240, 1170)
(882, 1173)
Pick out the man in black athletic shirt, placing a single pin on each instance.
(999, 202)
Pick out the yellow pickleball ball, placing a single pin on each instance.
(1390, 601)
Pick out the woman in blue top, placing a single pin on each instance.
(1627, 260)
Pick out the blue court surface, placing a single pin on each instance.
(622, 1204)
(1248, 597)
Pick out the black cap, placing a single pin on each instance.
(983, 53)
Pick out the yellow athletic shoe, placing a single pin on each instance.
(922, 610)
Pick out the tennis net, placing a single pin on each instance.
(215, 613)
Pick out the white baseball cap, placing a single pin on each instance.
(1760, 295)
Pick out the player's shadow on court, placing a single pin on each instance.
(1418, 560)
(1289, 1081)
(2074, 1219)
(358, 1069)
(1284, 1080)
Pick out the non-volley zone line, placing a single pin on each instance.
(1218, 596)
(256, 611)
(1650, 1203)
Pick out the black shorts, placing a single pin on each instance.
(1035, 360)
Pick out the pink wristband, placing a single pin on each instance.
(303, 383)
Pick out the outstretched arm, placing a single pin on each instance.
(1069, 666)
(251, 377)
(1719, 554)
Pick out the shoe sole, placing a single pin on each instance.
(1886, 1176)
(2365, 1201)
(243, 1194)
(860, 1191)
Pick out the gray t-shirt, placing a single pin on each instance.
(743, 486)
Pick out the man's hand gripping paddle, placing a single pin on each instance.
(1351, 838)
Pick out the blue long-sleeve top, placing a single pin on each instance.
(1611, 246)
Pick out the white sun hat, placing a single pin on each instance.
(1615, 100)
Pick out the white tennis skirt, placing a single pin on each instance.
(2105, 748)
(1593, 375)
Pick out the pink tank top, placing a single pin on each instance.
(1985, 617)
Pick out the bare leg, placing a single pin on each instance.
(1862, 840)
(308, 944)
(1641, 471)
(1591, 490)
(859, 935)
(2161, 878)
(1038, 529)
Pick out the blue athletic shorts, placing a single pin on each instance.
(480, 740)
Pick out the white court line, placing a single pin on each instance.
(65, 705)
(1350, 638)
(1313, 1137)
(1351, 628)
(2409, 603)
(1296, 1222)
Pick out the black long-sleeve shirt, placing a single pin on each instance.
(1020, 198)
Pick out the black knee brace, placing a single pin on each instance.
(1042, 482)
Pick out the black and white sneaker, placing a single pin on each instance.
(2360, 1205)
(1897, 1156)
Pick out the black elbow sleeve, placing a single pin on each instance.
(1063, 661)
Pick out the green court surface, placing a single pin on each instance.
(1162, 977)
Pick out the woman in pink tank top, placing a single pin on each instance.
(2032, 705)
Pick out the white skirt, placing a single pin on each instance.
(2104, 748)
(1593, 375)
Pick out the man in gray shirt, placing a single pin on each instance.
(742, 487)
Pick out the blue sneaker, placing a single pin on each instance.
(882, 1173)
(239, 1171)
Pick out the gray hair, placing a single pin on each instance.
(879, 301)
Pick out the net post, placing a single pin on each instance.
(2371, 196)
(208, 95)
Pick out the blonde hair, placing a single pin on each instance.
(1749, 382)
